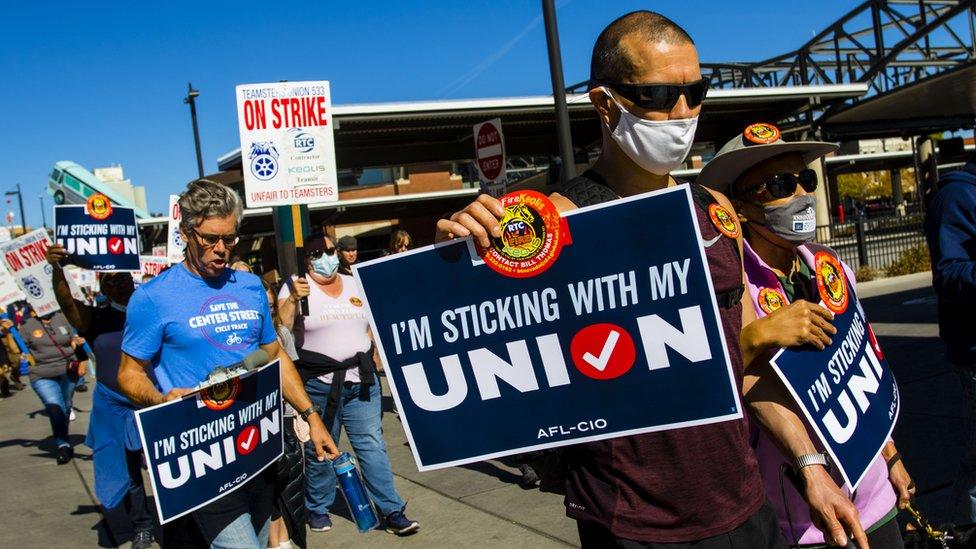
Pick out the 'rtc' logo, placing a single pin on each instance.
(302, 142)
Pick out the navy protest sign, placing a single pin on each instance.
(98, 235)
(619, 336)
(846, 392)
(206, 445)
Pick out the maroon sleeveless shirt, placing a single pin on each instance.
(671, 486)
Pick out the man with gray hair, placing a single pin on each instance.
(160, 335)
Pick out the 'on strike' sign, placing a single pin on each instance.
(287, 147)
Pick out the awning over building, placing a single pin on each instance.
(944, 102)
(394, 134)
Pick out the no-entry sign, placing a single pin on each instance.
(489, 147)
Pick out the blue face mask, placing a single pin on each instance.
(327, 265)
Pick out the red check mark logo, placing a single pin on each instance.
(603, 351)
(115, 245)
(246, 440)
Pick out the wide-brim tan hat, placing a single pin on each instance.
(757, 143)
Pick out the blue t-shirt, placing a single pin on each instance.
(186, 325)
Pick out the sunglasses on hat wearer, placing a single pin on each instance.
(783, 185)
(317, 253)
(659, 97)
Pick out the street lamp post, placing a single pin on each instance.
(43, 215)
(563, 135)
(190, 99)
(20, 202)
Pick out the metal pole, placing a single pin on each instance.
(190, 99)
(43, 216)
(20, 202)
(563, 135)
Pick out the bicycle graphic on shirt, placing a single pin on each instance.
(233, 339)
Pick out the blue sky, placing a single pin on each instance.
(103, 82)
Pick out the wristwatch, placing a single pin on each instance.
(811, 459)
(313, 409)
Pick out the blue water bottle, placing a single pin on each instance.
(24, 365)
(354, 491)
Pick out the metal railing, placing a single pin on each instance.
(877, 242)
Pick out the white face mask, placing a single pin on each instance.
(658, 146)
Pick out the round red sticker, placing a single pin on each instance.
(531, 236)
(221, 395)
(762, 133)
(831, 283)
(723, 220)
(98, 206)
(770, 300)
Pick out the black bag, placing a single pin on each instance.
(947, 536)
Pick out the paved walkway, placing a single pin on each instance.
(481, 505)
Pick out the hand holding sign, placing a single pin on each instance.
(796, 324)
(55, 254)
(478, 219)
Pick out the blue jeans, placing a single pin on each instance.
(56, 393)
(362, 420)
(964, 496)
(240, 534)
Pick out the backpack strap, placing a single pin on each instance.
(704, 199)
(587, 189)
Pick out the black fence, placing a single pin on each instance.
(874, 241)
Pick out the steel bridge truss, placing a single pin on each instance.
(883, 43)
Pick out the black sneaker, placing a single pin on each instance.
(319, 522)
(530, 479)
(398, 523)
(65, 453)
(142, 540)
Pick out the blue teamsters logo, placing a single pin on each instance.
(302, 142)
(264, 160)
(177, 239)
(33, 286)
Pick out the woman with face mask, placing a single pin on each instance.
(337, 361)
(772, 189)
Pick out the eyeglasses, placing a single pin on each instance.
(783, 185)
(210, 240)
(659, 97)
(317, 253)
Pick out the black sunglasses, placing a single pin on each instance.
(317, 253)
(783, 185)
(659, 97)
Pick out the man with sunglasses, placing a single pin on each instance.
(174, 327)
(698, 485)
(772, 190)
(337, 360)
